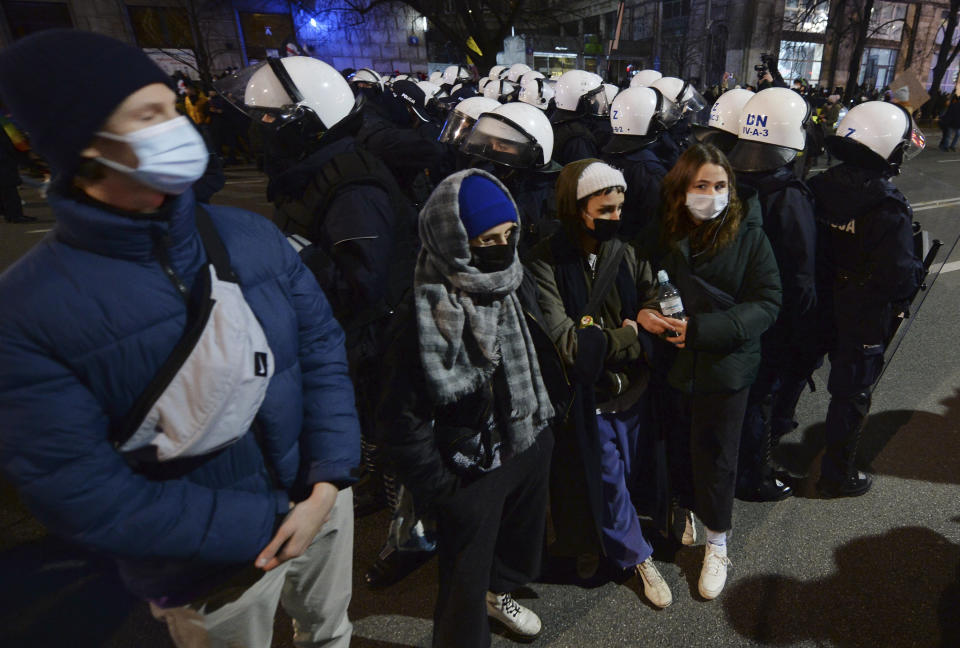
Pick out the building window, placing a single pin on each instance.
(28, 17)
(676, 13)
(639, 25)
(877, 67)
(809, 16)
(553, 65)
(799, 60)
(264, 33)
(161, 27)
(886, 20)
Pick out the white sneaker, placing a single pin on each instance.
(515, 617)
(713, 574)
(689, 530)
(654, 587)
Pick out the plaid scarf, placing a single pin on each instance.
(470, 322)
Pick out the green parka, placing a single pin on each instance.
(722, 351)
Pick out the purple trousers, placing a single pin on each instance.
(617, 434)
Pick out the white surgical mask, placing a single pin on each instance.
(705, 207)
(172, 155)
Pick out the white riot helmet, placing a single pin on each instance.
(436, 77)
(498, 89)
(637, 116)
(531, 74)
(456, 73)
(877, 134)
(366, 75)
(515, 135)
(612, 92)
(644, 78)
(687, 98)
(516, 71)
(497, 72)
(579, 92)
(463, 116)
(770, 131)
(482, 83)
(536, 92)
(723, 124)
(297, 90)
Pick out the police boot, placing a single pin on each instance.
(755, 479)
(839, 476)
(368, 492)
(765, 486)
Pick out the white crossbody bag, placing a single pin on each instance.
(206, 394)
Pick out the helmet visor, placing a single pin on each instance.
(456, 128)
(257, 90)
(669, 114)
(595, 102)
(916, 142)
(499, 140)
(693, 101)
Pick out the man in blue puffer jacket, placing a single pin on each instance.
(102, 302)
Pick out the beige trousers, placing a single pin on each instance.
(314, 589)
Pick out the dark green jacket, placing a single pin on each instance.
(722, 351)
(622, 365)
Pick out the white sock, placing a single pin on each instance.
(719, 541)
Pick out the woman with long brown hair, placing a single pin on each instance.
(723, 266)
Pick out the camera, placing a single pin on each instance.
(767, 63)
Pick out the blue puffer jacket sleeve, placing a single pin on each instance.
(77, 485)
(330, 440)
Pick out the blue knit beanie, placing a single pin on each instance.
(61, 85)
(483, 204)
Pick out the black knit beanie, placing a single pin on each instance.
(61, 85)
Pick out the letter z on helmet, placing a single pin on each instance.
(637, 117)
(877, 134)
(723, 123)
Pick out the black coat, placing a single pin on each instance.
(866, 258)
(644, 171)
(419, 437)
(786, 205)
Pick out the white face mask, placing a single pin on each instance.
(705, 207)
(172, 155)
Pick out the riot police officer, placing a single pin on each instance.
(690, 102)
(771, 134)
(638, 117)
(868, 267)
(723, 123)
(580, 97)
(515, 143)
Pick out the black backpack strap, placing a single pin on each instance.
(606, 275)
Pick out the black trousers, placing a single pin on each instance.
(704, 473)
(490, 537)
(10, 206)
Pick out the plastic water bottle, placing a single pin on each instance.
(671, 305)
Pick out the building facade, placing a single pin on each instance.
(234, 32)
(699, 40)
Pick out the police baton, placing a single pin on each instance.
(904, 319)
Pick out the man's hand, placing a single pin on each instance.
(300, 527)
(652, 321)
(632, 325)
(680, 328)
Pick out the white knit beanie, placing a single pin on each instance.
(597, 176)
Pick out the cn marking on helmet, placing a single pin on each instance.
(754, 124)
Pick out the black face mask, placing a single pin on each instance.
(604, 229)
(492, 258)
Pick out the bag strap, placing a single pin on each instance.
(606, 275)
(213, 244)
(196, 319)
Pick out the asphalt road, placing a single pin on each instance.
(879, 570)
